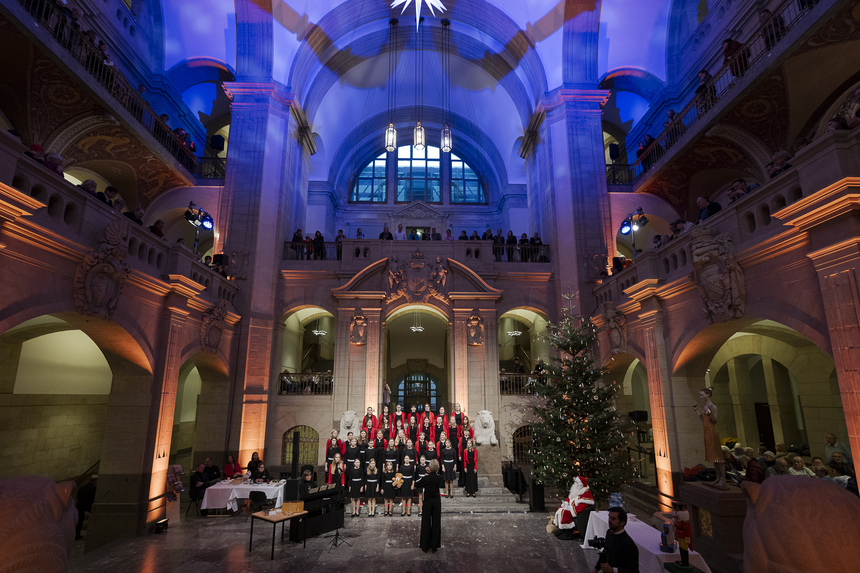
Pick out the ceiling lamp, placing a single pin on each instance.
(514, 333)
(416, 323)
(391, 132)
(319, 330)
(447, 139)
(418, 140)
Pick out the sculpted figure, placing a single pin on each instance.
(485, 429)
(350, 422)
(358, 330)
(713, 452)
(475, 330)
(616, 327)
(717, 276)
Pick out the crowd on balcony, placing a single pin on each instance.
(506, 247)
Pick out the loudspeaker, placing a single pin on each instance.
(536, 500)
(217, 142)
(294, 472)
(219, 260)
(291, 489)
(638, 415)
(614, 151)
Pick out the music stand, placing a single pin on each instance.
(336, 539)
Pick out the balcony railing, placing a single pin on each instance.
(78, 46)
(307, 384)
(517, 384)
(374, 249)
(715, 89)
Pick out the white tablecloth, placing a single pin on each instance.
(224, 494)
(647, 539)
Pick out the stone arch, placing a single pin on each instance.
(527, 346)
(521, 442)
(746, 141)
(198, 70)
(300, 350)
(634, 80)
(309, 446)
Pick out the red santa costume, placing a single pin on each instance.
(579, 500)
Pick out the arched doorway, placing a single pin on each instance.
(309, 444)
(417, 388)
(522, 442)
(307, 357)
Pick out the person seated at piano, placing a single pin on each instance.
(355, 482)
(307, 483)
(337, 471)
(261, 475)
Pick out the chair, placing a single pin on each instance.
(196, 503)
(258, 502)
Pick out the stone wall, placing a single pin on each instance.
(54, 436)
(183, 437)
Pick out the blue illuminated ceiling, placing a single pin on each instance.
(506, 54)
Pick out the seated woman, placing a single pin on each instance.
(261, 475)
(231, 468)
(255, 461)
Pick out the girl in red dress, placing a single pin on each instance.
(332, 446)
(470, 469)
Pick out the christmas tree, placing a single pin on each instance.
(580, 432)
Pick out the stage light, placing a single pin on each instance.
(625, 227)
(207, 222)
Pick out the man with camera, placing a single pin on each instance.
(619, 552)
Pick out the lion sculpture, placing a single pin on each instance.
(349, 422)
(485, 429)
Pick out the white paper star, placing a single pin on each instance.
(437, 4)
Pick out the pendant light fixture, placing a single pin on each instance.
(416, 323)
(447, 140)
(418, 140)
(391, 132)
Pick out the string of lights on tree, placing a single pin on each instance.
(580, 432)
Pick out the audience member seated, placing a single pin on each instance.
(798, 468)
(231, 468)
(707, 207)
(90, 187)
(36, 152)
(255, 461)
(136, 215)
(108, 196)
(157, 228)
(54, 162)
(198, 484)
(732, 462)
(820, 470)
(781, 452)
(755, 471)
(838, 465)
(211, 471)
(767, 459)
(779, 468)
(742, 455)
(834, 445)
(261, 475)
(780, 163)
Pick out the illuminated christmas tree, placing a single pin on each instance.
(580, 432)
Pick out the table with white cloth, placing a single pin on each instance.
(224, 495)
(647, 540)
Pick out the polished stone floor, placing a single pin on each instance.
(497, 542)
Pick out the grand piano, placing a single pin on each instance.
(325, 509)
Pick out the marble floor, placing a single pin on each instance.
(497, 542)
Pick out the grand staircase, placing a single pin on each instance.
(491, 498)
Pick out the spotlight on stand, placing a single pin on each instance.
(199, 218)
(625, 227)
(632, 223)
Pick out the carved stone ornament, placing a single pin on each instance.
(358, 330)
(417, 210)
(213, 326)
(616, 328)
(101, 274)
(475, 330)
(238, 267)
(717, 275)
(416, 280)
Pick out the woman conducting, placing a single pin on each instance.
(431, 529)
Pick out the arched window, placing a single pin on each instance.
(417, 388)
(419, 177)
(522, 445)
(309, 444)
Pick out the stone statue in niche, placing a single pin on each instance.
(212, 326)
(717, 275)
(396, 278)
(102, 272)
(475, 330)
(358, 330)
(616, 328)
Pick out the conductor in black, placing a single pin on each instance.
(431, 528)
(621, 554)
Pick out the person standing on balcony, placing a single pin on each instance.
(706, 207)
(319, 246)
(435, 235)
(400, 235)
(386, 235)
(338, 240)
(297, 246)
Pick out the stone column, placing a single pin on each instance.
(575, 203)
(262, 188)
(743, 404)
(373, 375)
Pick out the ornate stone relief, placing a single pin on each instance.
(213, 326)
(238, 267)
(358, 330)
(717, 275)
(616, 327)
(416, 280)
(475, 330)
(417, 210)
(101, 274)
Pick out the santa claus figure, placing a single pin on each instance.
(579, 500)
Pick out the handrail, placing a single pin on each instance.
(707, 95)
(79, 46)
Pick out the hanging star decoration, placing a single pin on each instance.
(432, 4)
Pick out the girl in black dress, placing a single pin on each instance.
(431, 529)
(351, 453)
(336, 471)
(392, 455)
(454, 438)
(362, 448)
(389, 492)
(431, 454)
(412, 430)
(449, 460)
(421, 444)
(355, 481)
(371, 486)
(470, 469)
(332, 446)
(427, 429)
(439, 428)
(408, 472)
(420, 472)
